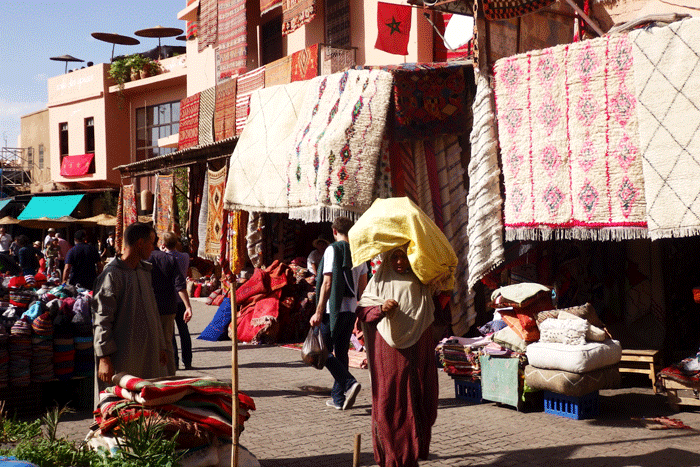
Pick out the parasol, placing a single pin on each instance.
(393, 222)
(105, 220)
(114, 39)
(66, 58)
(46, 222)
(8, 220)
(159, 31)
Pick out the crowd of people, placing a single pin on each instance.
(140, 296)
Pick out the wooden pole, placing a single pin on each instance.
(234, 371)
(585, 17)
(356, 451)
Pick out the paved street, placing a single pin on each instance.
(293, 427)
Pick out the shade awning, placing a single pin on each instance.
(52, 207)
(4, 202)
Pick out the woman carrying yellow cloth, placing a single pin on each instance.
(398, 312)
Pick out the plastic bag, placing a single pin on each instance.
(314, 351)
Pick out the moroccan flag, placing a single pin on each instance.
(394, 25)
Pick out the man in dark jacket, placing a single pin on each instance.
(82, 262)
(168, 284)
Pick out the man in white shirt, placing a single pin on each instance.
(338, 286)
(51, 233)
(5, 241)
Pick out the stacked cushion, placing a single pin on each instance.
(20, 350)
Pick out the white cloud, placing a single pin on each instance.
(10, 109)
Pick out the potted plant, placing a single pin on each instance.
(136, 63)
(120, 71)
(150, 68)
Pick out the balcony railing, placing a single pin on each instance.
(335, 59)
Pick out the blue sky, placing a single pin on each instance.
(32, 31)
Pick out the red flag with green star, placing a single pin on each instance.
(394, 25)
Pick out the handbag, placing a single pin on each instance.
(314, 351)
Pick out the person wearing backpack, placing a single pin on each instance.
(338, 287)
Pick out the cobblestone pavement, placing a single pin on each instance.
(292, 425)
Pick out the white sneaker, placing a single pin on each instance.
(330, 403)
(351, 395)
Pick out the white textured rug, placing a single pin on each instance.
(485, 205)
(258, 169)
(337, 144)
(667, 81)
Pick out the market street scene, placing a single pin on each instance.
(391, 233)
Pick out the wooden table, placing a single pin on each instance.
(676, 398)
(640, 361)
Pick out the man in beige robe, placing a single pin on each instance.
(128, 336)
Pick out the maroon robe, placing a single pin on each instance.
(404, 394)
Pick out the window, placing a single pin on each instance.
(30, 158)
(41, 156)
(154, 122)
(63, 138)
(338, 23)
(89, 135)
(272, 40)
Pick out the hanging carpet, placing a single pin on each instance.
(336, 146)
(207, 103)
(163, 205)
(208, 24)
(119, 228)
(667, 79)
(258, 168)
(305, 63)
(216, 184)
(296, 13)
(254, 239)
(278, 72)
(203, 217)
(268, 5)
(231, 52)
(130, 210)
(507, 9)
(247, 83)
(485, 205)
(189, 122)
(568, 136)
(225, 110)
(453, 210)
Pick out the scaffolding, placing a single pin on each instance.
(15, 177)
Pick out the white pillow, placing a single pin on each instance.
(564, 331)
(594, 333)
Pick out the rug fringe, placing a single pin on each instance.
(244, 207)
(679, 232)
(322, 213)
(603, 235)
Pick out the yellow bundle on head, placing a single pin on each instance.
(393, 222)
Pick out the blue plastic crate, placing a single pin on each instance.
(469, 391)
(578, 408)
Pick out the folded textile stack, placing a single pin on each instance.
(459, 356)
(20, 353)
(63, 353)
(518, 305)
(42, 349)
(198, 409)
(4, 358)
(574, 355)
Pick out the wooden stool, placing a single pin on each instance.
(640, 361)
(676, 398)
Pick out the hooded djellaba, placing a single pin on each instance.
(398, 314)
